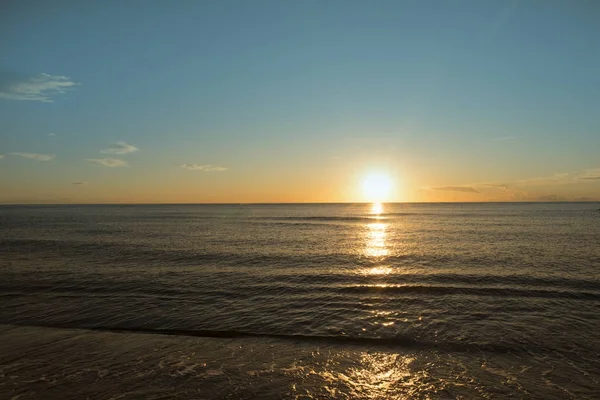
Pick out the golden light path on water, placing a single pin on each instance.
(371, 375)
(376, 208)
(377, 249)
(376, 235)
(368, 373)
(376, 375)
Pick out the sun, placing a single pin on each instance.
(377, 187)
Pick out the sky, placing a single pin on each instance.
(298, 101)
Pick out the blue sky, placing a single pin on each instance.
(296, 101)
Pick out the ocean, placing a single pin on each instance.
(306, 301)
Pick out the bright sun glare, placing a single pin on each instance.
(377, 187)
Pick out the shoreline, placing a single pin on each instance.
(79, 363)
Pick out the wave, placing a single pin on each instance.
(334, 269)
(320, 218)
(384, 215)
(470, 291)
(403, 341)
(275, 288)
(142, 254)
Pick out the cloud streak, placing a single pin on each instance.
(464, 189)
(556, 179)
(34, 88)
(551, 197)
(204, 168)
(109, 162)
(78, 183)
(120, 148)
(35, 156)
(590, 175)
(492, 185)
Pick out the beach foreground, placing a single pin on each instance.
(71, 363)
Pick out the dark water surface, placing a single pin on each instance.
(300, 301)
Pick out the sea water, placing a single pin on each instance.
(300, 301)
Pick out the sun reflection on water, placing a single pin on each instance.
(379, 271)
(366, 374)
(377, 249)
(371, 375)
(379, 374)
(375, 243)
(376, 235)
(377, 208)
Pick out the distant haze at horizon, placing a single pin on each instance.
(281, 102)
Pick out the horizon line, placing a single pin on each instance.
(303, 203)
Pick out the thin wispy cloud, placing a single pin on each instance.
(562, 178)
(491, 185)
(35, 156)
(550, 197)
(120, 148)
(51, 134)
(464, 189)
(504, 139)
(108, 162)
(500, 191)
(40, 87)
(204, 168)
(590, 175)
(513, 190)
(556, 179)
(78, 183)
(511, 195)
(1, 156)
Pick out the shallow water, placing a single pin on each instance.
(407, 301)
